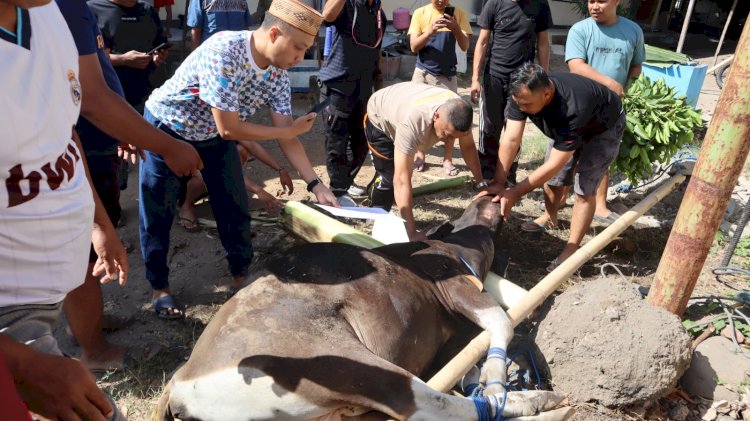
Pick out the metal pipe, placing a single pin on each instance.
(685, 24)
(477, 348)
(724, 31)
(719, 165)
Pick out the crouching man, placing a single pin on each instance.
(584, 121)
(403, 119)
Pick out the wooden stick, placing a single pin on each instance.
(477, 348)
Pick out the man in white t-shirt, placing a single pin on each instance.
(405, 118)
(46, 211)
(208, 102)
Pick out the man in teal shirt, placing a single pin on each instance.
(608, 49)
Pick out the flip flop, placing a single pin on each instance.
(608, 220)
(532, 227)
(167, 302)
(451, 170)
(189, 225)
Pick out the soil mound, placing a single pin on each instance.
(603, 342)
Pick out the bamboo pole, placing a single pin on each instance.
(721, 160)
(724, 31)
(446, 183)
(314, 226)
(685, 24)
(477, 348)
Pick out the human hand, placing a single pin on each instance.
(130, 153)
(615, 87)
(507, 201)
(286, 181)
(160, 57)
(112, 261)
(491, 189)
(270, 203)
(182, 158)
(438, 24)
(451, 23)
(325, 196)
(476, 89)
(136, 59)
(61, 388)
(303, 124)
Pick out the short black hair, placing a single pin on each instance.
(270, 20)
(459, 113)
(529, 75)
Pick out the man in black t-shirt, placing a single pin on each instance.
(584, 121)
(513, 28)
(131, 28)
(348, 78)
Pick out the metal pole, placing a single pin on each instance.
(719, 166)
(685, 24)
(724, 32)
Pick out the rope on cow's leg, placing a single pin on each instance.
(489, 408)
(497, 353)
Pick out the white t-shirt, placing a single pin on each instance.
(46, 204)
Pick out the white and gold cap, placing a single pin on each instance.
(297, 14)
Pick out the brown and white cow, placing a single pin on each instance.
(330, 331)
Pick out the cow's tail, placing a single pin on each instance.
(162, 412)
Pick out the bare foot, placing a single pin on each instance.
(109, 358)
(450, 169)
(546, 221)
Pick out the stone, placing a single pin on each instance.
(716, 370)
(679, 413)
(604, 343)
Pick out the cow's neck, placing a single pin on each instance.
(475, 249)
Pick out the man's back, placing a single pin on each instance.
(213, 16)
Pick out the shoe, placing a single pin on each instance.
(608, 220)
(355, 190)
(346, 201)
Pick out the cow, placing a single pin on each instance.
(330, 331)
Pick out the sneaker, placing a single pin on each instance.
(346, 201)
(356, 190)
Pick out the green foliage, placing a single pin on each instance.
(720, 237)
(659, 124)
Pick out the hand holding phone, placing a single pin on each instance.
(449, 10)
(320, 106)
(162, 46)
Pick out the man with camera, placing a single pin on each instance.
(434, 31)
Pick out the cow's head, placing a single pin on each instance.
(474, 232)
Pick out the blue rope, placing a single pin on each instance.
(471, 269)
(496, 353)
(483, 408)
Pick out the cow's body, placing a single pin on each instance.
(332, 330)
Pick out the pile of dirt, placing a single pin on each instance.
(603, 342)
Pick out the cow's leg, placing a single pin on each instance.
(487, 314)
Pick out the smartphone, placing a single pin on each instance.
(449, 10)
(162, 46)
(320, 106)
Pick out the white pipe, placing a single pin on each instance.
(724, 32)
(685, 24)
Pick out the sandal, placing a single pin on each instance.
(607, 220)
(189, 225)
(450, 169)
(167, 302)
(532, 227)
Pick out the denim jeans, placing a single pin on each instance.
(159, 190)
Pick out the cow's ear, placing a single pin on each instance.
(441, 231)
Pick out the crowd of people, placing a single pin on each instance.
(78, 106)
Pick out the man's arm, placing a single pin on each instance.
(580, 67)
(510, 141)
(52, 386)
(195, 38)
(332, 9)
(480, 55)
(230, 126)
(471, 156)
(115, 117)
(292, 149)
(543, 49)
(402, 191)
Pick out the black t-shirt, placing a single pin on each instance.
(130, 28)
(580, 109)
(352, 59)
(514, 26)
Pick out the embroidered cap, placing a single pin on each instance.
(297, 14)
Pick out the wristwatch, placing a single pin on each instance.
(311, 185)
(483, 183)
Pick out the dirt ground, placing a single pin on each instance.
(199, 276)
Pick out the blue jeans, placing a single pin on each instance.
(159, 191)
